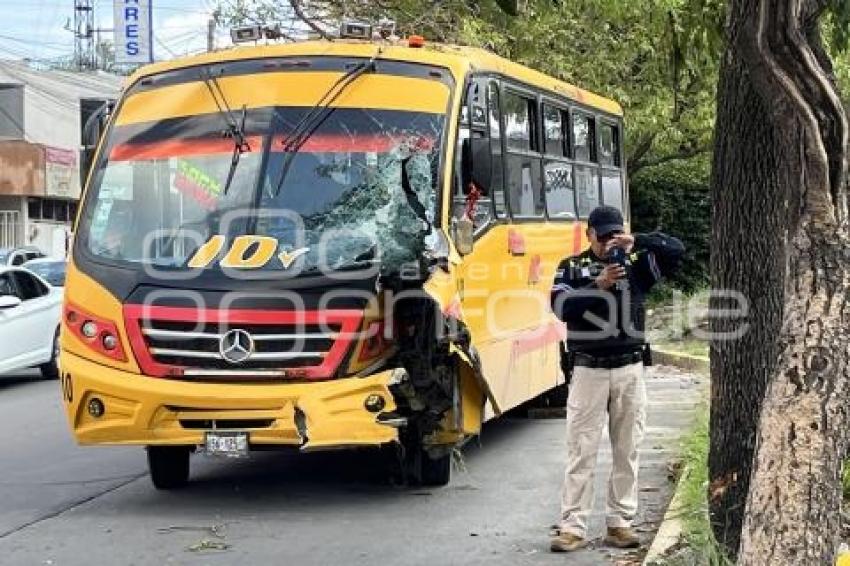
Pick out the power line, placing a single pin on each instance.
(32, 42)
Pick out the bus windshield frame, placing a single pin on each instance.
(356, 157)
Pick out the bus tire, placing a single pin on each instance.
(168, 466)
(50, 369)
(435, 472)
(421, 469)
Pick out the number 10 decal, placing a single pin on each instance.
(246, 252)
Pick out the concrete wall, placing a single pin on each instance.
(51, 120)
(49, 237)
(11, 112)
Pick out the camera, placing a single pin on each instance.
(620, 257)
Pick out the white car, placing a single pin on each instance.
(50, 269)
(30, 310)
(18, 256)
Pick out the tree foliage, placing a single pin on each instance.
(658, 58)
(674, 197)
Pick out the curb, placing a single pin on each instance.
(686, 362)
(670, 531)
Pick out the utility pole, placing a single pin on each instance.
(211, 34)
(211, 25)
(84, 52)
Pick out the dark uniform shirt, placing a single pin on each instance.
(592, 327)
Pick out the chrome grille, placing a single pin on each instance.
(196, 345)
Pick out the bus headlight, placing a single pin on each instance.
(99, 334)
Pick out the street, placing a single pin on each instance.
(65, 505)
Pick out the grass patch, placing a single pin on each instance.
(700, 547)
(691, 346)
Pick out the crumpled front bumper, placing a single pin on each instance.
(155, 411)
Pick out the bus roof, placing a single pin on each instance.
(458, 59)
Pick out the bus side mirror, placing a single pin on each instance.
(476, 160)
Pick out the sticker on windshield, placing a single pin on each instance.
(195, 183)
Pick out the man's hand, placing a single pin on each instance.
(625, 241)
(609, 275)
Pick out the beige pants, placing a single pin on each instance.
(594, 393)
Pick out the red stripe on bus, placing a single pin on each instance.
(325, 143)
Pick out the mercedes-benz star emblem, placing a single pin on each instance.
(236, 346)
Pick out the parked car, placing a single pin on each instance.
(19, 256)
(30, 310)
(50, 269)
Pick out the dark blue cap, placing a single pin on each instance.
(605, 219)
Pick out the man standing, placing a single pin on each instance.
(600, 295)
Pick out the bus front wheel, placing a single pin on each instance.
(421, 468)
(168, 466)
(435, 471)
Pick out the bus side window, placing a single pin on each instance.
(609, 145)
(586, 171)
(480, 119)
(557, 170)
(584, 137)
(494, 113)
(609, 159)
(524, 175)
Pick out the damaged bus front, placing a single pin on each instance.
(249, 261)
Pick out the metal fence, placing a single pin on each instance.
(11, 229)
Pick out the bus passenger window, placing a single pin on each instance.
(524, 185)
(524, 175)
(560, 190)
(497, 188)
(612, 188)
(584, 137)
(609, 145)
(587, 186)
(553, 131)
(517, 122)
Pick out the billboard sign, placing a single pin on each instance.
(133, 31)
(61, 174)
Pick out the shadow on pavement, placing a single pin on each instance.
(8, 380)
(274, 480)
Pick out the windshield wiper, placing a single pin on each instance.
(317, 115)
(235, 129)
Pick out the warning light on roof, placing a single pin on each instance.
(415, 41)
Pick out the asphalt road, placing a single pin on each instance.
(61, 504)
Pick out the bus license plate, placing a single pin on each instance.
(233, 444)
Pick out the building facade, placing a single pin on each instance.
(43, 115)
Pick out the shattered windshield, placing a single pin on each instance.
(347, 186)
(346, 197)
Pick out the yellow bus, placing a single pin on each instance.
(327, 245)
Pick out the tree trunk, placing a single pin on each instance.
(792, 514)
(749, 177)
(781, 144)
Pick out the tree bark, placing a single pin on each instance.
(748, 219)
(793, 140)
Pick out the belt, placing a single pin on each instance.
(607, 362)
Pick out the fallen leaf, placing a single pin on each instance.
(206, 544)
